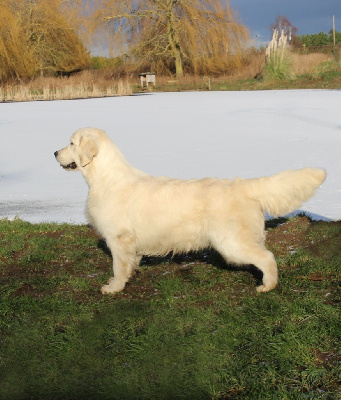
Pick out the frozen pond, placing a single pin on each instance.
(183, 135)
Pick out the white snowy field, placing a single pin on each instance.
(183, 135)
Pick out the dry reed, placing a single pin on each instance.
(81, 86)
(307, 63)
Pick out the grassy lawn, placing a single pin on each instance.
(188, 327)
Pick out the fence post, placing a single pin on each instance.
(337, 53)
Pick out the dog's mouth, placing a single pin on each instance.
(72, 165)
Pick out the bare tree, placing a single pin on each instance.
(282, 23)
(200, 35)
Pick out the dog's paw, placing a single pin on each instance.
(105, 289)
(112, 287)
(270, 281)
(264, 288)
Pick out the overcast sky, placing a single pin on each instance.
(309, 16)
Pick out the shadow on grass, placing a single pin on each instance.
(206, 256)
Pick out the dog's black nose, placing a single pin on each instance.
(56, 153)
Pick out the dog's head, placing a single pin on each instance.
(83, 147)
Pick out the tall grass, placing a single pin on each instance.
(308, 63)
(278, 66)
(81, 86)
(286, 65)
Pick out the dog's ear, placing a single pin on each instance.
(88, 149)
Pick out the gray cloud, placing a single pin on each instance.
(309, 16)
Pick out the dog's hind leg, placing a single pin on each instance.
(265, 261)
(125, 260)
(251, 253)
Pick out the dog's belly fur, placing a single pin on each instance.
(178, 239)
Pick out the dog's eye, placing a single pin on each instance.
(71, 143)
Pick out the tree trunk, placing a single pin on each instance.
(174, 41)
(178, 63)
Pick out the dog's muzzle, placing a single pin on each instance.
(72, 165)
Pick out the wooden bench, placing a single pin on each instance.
(147, 77)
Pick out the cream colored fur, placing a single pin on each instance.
(139, 214)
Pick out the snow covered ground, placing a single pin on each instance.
(184, 135)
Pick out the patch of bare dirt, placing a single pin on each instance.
(26, 289)
(288, 236)
(328, 360)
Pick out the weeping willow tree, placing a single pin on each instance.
(15, 57)
(201, 36)
(38, 36)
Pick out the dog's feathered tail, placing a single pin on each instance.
(283, 193)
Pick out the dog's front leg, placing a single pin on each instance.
(123, 251)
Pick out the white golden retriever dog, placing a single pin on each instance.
(139, 214)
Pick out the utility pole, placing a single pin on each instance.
(334, 29)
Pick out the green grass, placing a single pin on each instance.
(278, 67)
(186, 327)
